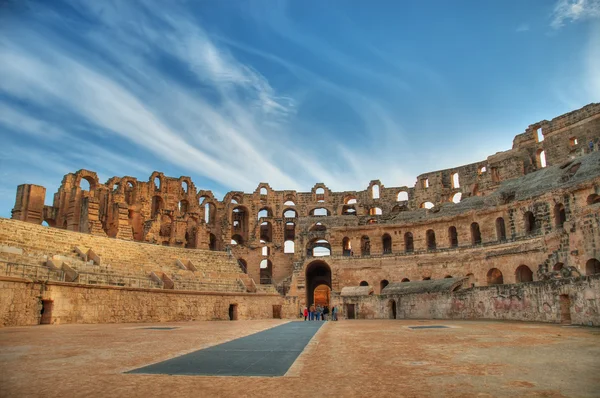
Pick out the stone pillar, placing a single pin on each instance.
(29, 203)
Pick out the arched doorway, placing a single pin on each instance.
(318, 273)
(322, 295)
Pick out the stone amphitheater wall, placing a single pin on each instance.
(532, 302)
(21, 304)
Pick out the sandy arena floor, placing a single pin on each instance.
(377, 358)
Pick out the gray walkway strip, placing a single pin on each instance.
(267, 353)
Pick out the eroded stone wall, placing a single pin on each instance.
(21, 304)
(533, 302)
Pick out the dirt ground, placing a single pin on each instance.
(371, 358)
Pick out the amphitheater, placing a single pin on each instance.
(432, 282)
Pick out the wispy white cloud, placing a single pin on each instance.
(573, 11)
(522, 28)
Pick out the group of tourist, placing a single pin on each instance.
(320, 313)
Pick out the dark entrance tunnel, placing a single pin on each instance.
(317, 273)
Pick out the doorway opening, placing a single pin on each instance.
(322, 295)
(276, 311)
(46, 312)
(565, 309)
(350, 311)
(392, 309)
(318, 274)
(233, 314)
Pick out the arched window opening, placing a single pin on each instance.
(592, 266)
(290, 213)
(85, 184)
(386, 241)
(184, 186)
(289, 203)
(157, 183)
(129, 193)
(183, 206)
(448, 277)
(500, 229)
(375, 211)
(494, 277)
(539, 135)
(427, 205)
(319, 212)
(239, 218)
(266, 272)
(523, 274)
(405, 280)
(289, 232)
(482, 169)
(363, 283)
(157, 205)
(365, 246)
(266, 232)
(375, 191)
(265, 251)
(350, 200)
(541, 158)
(45, 224)
(402, 196)
(425, 183)
(237, 240)
(320, 193)
(383, 284)
(593, 199)
(529, 223)
(372, 221)
(456, 197)
(263, 191)
(453, 236)
(348, 210)
(455, 181)
(265, 212)
(430, 235)
(346, 247)
(319, 248)
(409, 246)
(426, 278)
(318, 227)
(234, 201)
(475, 234)
(560, 216)
(288, 247)
(210, 213)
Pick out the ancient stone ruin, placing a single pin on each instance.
(513, 236)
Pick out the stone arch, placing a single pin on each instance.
(593, 199)
(409, 244)
(317, 273)
(363, 283)
(475, 234)
(495, 277)
(365, 246)
(500, 229)
(383, 284)
(452, 236)
(346, 246)
(523, 274)
(430, 236)
(592, 266)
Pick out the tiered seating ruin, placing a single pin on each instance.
(41, 253)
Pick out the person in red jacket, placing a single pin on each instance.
(305, 313)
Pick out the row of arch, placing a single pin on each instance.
(495, 277)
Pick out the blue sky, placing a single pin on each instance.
(293, 93)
